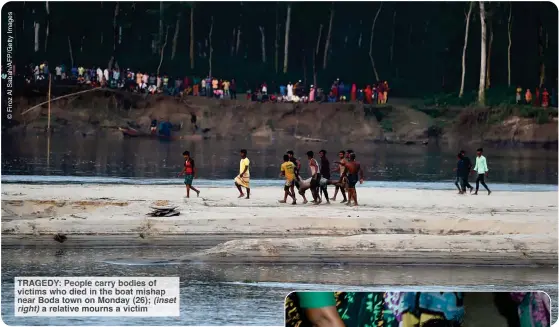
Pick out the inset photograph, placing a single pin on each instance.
(417, 309)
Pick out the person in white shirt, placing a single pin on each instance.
(99, 75)
(58, 72)
(289, 91)
(482, 170)
(106, 74)
(315, 175)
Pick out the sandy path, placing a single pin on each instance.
(519, 223)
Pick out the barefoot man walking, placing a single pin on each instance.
(189, 172)
(354, 173)
(243, 180)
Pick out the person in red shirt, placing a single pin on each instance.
(368, 95)
(537, 97)
(545, 98)
(189, 172)
(353, 92)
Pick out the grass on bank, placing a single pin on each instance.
(500, 104)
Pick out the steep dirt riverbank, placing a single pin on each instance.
(398, 122)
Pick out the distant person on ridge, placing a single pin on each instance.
(518, 95)
(243, 179)
(482, 171)
(528, 96)
(189, 173)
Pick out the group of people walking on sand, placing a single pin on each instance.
(464, 169)
(350, 172)
(347, 168)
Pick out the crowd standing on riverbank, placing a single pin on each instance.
(150, 83)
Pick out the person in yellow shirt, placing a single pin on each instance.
(243, 179)
(288, 170)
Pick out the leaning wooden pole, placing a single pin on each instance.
(60, 97)
(48, 121)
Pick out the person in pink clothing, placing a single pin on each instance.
(353, 92)
(312, 94)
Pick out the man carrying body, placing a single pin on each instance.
(297, 164)
(288, 170)
(340, 169)
(324, 173)
(315, 177)
(482, 170)
(243, 179)
(189, 173)
(468, 164)
(354, 173)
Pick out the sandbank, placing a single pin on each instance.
(389, 226)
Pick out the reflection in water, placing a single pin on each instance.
(147, 158)
(231, 294)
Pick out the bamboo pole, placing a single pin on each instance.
(48, 123)
(60, 97)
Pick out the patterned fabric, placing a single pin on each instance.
(388, 309)
(533, 309)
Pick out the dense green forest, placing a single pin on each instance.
(416, 46)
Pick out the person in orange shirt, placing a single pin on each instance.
(214, 85)
(528, 96)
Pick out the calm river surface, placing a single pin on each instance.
(233, 294)
(250, 294)
(154, 159)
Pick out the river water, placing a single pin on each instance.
(231, 294)
(234, 294)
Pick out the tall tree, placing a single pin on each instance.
(393, 36)
(286, 47)
(463, 78)
(239, 32)
(176, 36)
(371, 42)
(192, 6)
(263, 43)
(328, 36)
(489, 50)
(483, 64)
(211, 47)
(276, 40)
(48, 24)
(509, 30)
(115, 31)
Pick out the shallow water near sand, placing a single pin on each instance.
(145, 161)
(231, 294)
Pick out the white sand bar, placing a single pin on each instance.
(505, 227)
